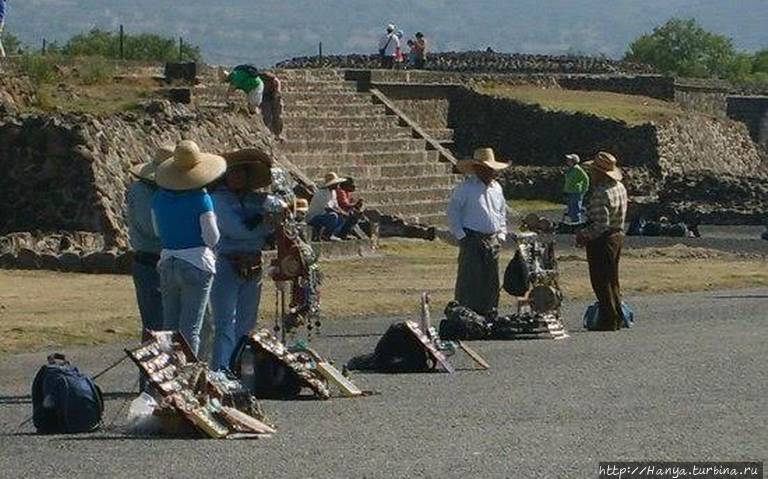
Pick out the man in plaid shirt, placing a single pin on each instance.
(603, 238)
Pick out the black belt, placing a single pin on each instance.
(477, 234)
(147, 259)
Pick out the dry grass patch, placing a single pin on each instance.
(45, 310)
(632, 109)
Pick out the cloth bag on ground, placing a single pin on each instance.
(517, 277)
(262, 373)
(592, 316)
(65, 401)
(462, 323)
(398, 351)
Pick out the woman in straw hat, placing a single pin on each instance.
(242, 216)
(477, 215)
(145, 243)
(185, 220)
(603, 237)
(324, 213)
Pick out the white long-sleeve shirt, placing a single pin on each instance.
(478, 207)
(389, 44)
(323, 199)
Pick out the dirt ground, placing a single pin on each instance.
(40, 309)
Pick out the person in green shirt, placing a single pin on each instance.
(246, 79)
(576, 186)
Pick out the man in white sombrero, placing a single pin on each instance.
(477, 215)
(184, 218)
(145, 243)
(324, 214)
(603, 237)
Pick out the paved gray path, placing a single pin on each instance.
(688, 383)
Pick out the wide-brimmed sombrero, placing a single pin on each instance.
(146, 171)
(606, 164)
(189, 168)
(482, 156)
(258, 162)
(332, 179)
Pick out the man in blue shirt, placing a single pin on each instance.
(145, 244)
(242, 217)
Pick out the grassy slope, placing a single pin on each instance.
(632, 109)
(46, 310)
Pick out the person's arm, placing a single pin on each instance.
(455, 208)
(209, 229)
(598, 216)
(584, 180)
(502, 232)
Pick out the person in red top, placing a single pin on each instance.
(349, 207)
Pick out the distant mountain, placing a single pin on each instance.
(266, 31)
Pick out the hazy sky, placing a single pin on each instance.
(266, 31)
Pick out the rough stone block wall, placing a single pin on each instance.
(753, 112)
(709, 102)
(427, 105)
(70, 172)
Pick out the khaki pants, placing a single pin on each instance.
(477, 281)
(272, 113)
(603, 254)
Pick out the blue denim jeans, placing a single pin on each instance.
(185, 296)
(146, 281)
(329, 221)
(235, 306)
(575, 201)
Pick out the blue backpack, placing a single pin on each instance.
(65, 400)
(591, 316)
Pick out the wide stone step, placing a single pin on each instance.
(413, 209)
(333, 110)
(319, 86)
(381, 121)
(439, 219)
(349, 134)
(309, 74)
(443, 135)
(380, 171)
(404, 183)
(333, 161)
(383, 198)
(298, 146)
(291, 98)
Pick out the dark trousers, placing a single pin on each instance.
(387, 62)
(477, 281)
(603, 254)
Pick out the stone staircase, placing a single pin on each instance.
(330, 126)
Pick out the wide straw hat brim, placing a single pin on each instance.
(482, 157)
(606, 165)
(332, 179)
(258, 162)
(146, 171)
(173, 174)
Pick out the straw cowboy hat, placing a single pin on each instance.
(332, 179)
(606, 164)
(300, 205)
(258, 162)
(146, 171)
(482, 156)
(189, 168)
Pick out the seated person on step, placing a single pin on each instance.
(350, 208)
(325, 216)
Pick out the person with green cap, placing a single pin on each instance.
(576, 186)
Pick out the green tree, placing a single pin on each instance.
(145, 47)
(684, 48)
(11, 44)
(760, 61)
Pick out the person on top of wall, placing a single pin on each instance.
(477, 215)
(576, 186)
(247, 79)
(242, 217)
(419, 51)
(603, 237)
(272, 104)
(184, 218)
(388, 46)
(145, 244)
